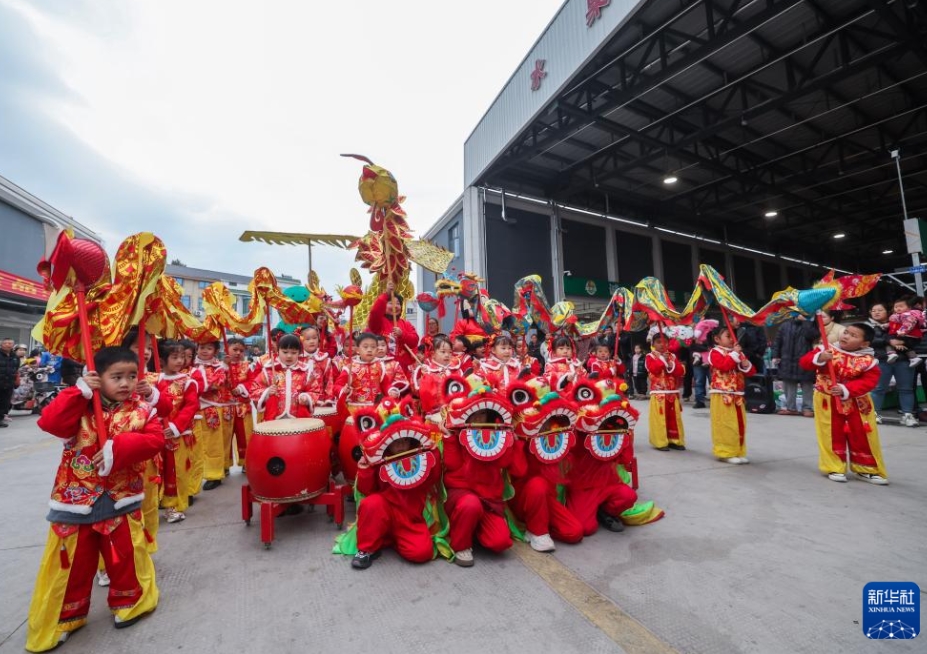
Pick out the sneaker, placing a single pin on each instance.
(609, 522)
(892, 357)
(878, 419)
(807, 413)
(102, 578)
(744, 459)
(915, 362)
(363, 560)
(677, 446)
(212, 483)
(119, 623)
(908, 420)
(837, 476)
(698, 405)
(464, 558)
(872, 479)
(663, 449)
(734, 460)
(173, 515)
(542, 543)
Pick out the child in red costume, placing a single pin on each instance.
(281, 389)
(390, 364)
(500, 369)
(181, 395)
(595, 493)
(214, 428)
(240, 375)
(525, 360)
(547, 428)
(96, 504)
(364, 379)
(602, 365)
(461, 350)
(391, 512)
(729, 367)
(563, 368)
(320, 366)
(844, 417)
(430, 376)
(386, 319)
(666, 375)
(475, 502)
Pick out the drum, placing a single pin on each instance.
(329, 415)
(349, 445)
(288, 460)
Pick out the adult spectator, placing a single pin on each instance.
(54, 361)
(9, 377)
(832, 328)
(753, 341)
(433, 327)
(899, 369)
(386, 319)
(534, 347)
(794, 340)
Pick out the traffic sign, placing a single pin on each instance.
(917, 269)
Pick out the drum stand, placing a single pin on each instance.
(333, 499)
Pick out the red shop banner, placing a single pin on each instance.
(15, 285)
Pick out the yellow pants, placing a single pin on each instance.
(856, 434)
(198, 469)
(150, 516)
(235, 445)
(728, 427)
(61, 599)
(183, 462)
(215, 432)
(666, 420)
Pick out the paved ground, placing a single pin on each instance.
(769, 557)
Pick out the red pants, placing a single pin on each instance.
(468, 517)
(614, 499)
(380, 524)
(535, 503)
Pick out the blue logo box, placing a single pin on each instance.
(891, 610)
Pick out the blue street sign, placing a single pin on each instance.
(917, 269)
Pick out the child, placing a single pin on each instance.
(729, 367)
(461, 349)
(96, 504)
(905, 324)
(429, 378)
(386, 319)
(213, 427)
(320, 366)
(189, 354)
(844, 417)
(666, 375)
(392, 515)
(562, 368)
(281, 389)
(364, 380)
(182, 394)
(601, 363)
(525, 360)
(500, 368)
(390, 363)
(239, 380)
(639, 373)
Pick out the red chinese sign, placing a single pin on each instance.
(10, 283)
(594, 10)
(538, 74)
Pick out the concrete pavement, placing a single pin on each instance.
(768, 557)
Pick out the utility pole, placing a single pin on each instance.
(915, 256)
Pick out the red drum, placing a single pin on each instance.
(288, 460)
(329, 415)
(349, 445)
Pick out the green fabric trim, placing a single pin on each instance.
(638, 508)
(624, 474)
(549, 397)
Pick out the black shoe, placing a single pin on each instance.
(293, 509)
(363, 560)
(3, 424)
(675, 446)
(212, 483)
(662, 449)
(125, 624)
(698, 405)
(609, 522)
(191, 499)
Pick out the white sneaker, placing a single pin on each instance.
(908, 420)
(892, 357)
(102, 578)
(744, 459)
(542, 543)
(464, 558)
(173, 515)
(878, 418)
(837, 476)
(915, 362)
(734, 460)
(872, 479)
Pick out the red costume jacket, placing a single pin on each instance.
(497, 373)
(362, 383)
(427, 382)
(666, 373)
(134, 435)
(379, 323)
(728, 370)
(857, 373)
(606, 369)
(292, 399)
(558, 367)
(470, 328)
(212, 378)
(179, 402)
(321, 376)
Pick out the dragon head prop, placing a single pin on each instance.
(606, 419)
(397, 442)
(544, 418)
(481, 416)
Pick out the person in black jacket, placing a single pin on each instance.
(794, 340)
(752, 339)
(9, 377)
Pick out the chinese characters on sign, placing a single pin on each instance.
(538, 74)
(891, 610)
(594, 10)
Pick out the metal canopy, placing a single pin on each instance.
(790, 106)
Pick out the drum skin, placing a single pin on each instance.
(329, 415)
(288, 460)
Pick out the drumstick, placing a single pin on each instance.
(402, 455)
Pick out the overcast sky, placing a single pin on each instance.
(199, 119)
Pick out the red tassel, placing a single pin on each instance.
(63, 554)
(441, 310)
(114, 553)
(148, 536)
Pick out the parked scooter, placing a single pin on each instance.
(35, 392)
